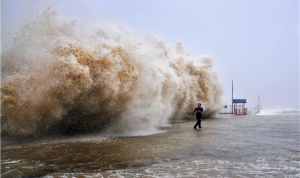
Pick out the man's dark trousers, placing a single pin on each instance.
(198, 123)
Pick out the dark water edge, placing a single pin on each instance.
(226, 146)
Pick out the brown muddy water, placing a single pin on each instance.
(226, 146)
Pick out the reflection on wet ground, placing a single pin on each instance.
(226, 146)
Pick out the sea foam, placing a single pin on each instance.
(57, 79)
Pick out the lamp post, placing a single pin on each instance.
(232, 99)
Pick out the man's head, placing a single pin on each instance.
(199, 105)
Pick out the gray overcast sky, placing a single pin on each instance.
(255, 43)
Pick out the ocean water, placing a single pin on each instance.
(280, 111)
(226, 146)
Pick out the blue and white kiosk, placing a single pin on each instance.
(239, 106)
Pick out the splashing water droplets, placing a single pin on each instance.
(55, 79)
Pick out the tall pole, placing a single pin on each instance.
(258, 106)
(232, 98)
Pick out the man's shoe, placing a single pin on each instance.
(200, 127)
(195, 128)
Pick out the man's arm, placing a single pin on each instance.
(200, 110)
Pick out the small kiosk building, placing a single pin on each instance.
(239, 106)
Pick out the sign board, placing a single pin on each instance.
(239, 101)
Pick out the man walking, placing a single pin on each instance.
(199, 110)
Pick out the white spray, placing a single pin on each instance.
(54, 78)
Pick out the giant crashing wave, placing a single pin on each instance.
(57, 80)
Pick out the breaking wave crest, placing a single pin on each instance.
(57, 79)
(283, 111)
